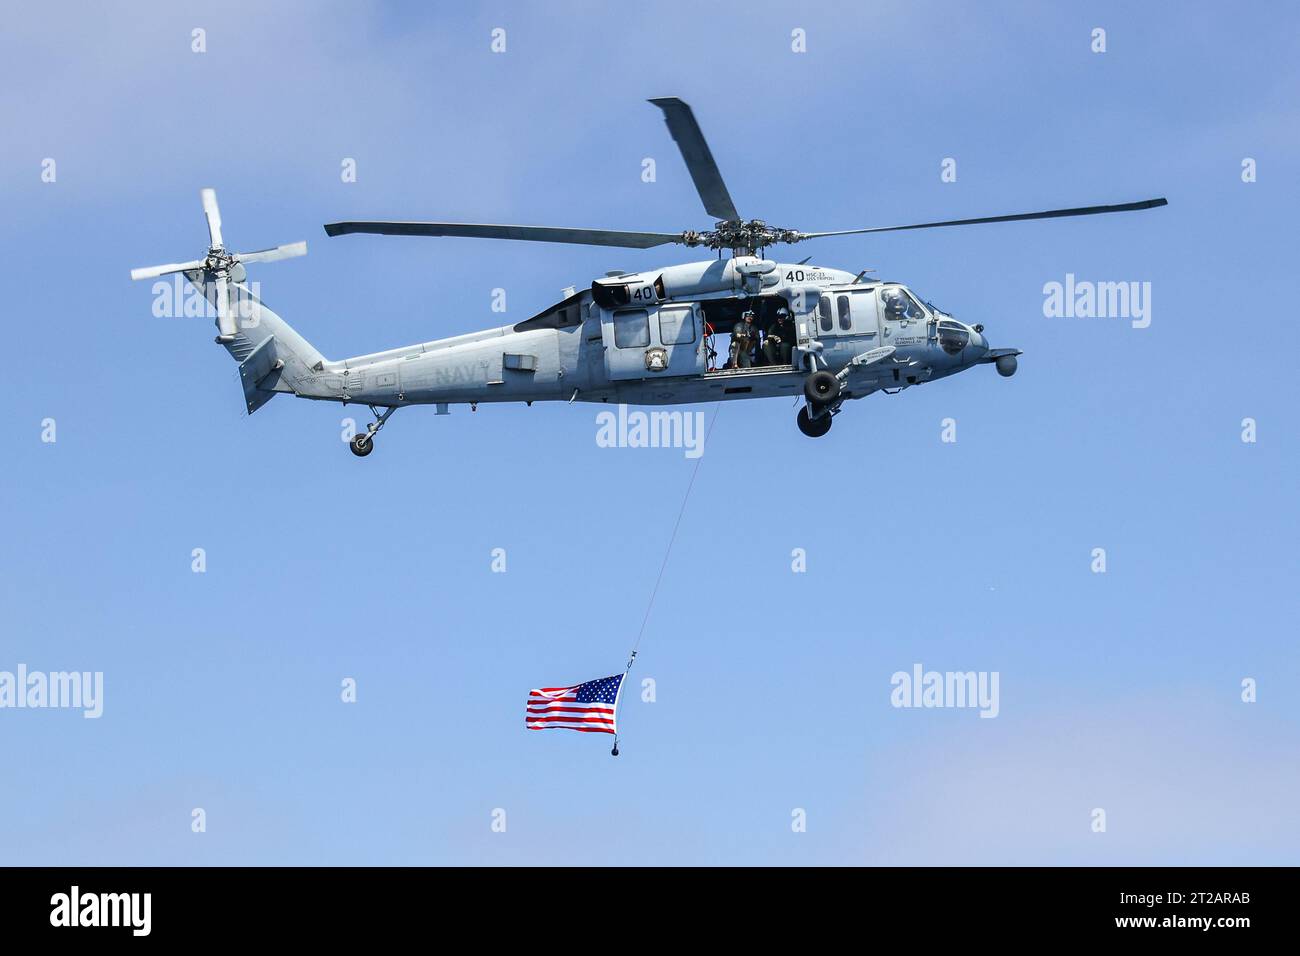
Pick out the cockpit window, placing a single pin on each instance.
(824, 313)
(842, 306)
(898, 305)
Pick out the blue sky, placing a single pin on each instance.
(1118, 690)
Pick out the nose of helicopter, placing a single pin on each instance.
(978, 343)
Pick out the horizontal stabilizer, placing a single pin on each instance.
(258, 374)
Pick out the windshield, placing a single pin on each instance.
(935, 309)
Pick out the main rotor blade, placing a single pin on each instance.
(473, 230)
(1049, 214)
(151, 272)
(273, 255)
(209, 197)
(699, 159)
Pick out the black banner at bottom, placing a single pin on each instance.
(217, 905)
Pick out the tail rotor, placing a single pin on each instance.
(218, 265)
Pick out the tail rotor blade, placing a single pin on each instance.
(209, 197)
(225, 320)
(150, 272)
(289, 251)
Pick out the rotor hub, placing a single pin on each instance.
(741, 236)
(218, 260)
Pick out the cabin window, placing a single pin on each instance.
(842, 306)
(676, 326)
(824, 313)
(632, 329)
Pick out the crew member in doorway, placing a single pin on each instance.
(744, 336)
(778, 345)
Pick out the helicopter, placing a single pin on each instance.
(653, 337)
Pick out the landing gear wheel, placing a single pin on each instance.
(813, 427)
(364, 443)
(821, 388)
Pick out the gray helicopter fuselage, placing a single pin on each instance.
(642, 339)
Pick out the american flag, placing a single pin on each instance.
(587, 707)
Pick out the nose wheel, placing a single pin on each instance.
(813, 427)
(364, 443)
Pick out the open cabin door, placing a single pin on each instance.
(656, 341)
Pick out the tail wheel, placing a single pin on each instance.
(362, 445)
(813, 427)
(821, 388)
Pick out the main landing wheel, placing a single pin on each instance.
(362, 445)
(821, 388)
(813, 427)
